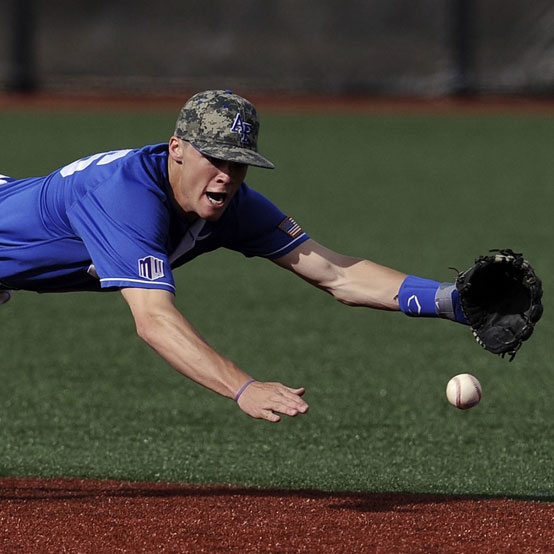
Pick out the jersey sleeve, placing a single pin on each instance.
(262, 228)
(124, 224)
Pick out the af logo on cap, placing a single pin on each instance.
(242, 127)
(222, 125)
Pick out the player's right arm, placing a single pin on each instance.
(164, 328)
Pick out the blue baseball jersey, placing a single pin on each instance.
(110, 221)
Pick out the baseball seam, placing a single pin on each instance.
(459, 403)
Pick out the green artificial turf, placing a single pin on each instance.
(82, 396)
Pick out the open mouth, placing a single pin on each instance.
(216, 198)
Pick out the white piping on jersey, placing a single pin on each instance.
(286, 246)
(189, 240)
(124, 279)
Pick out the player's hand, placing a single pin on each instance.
(266, 400)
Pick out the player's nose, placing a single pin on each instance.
(230, 171)
(223, 177)
(224, 171)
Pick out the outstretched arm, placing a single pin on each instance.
(359, 282)
(352, 281)
(162, 326)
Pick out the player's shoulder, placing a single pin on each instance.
(150, 158)
(124, 179)
(153, 151)
(248, 198)
(133, 159)
(251, 210)
(143, 172)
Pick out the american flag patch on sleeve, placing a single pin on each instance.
(290, 227)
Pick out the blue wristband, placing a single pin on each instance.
(419, 297)
(416, 296)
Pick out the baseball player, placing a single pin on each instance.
(125, 220)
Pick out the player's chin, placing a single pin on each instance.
(213, 213)
(212, 217)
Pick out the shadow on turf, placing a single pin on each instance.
(23, 489)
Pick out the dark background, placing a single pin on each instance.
(380, 47)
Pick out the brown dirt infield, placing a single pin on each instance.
(308, 103)
(79, 516)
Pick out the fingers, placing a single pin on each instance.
(287, 401)
(270, 416)
(290, 408)
(267, 400)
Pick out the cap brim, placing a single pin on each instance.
(233, 154)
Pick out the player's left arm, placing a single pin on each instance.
(360, 282)
(352, 281)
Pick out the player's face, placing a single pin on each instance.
(202, 186)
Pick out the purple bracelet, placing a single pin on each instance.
(243, 388)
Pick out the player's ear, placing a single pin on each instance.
(176, 149)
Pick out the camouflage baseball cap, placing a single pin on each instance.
(222, 125)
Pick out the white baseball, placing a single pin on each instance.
(464, 391)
